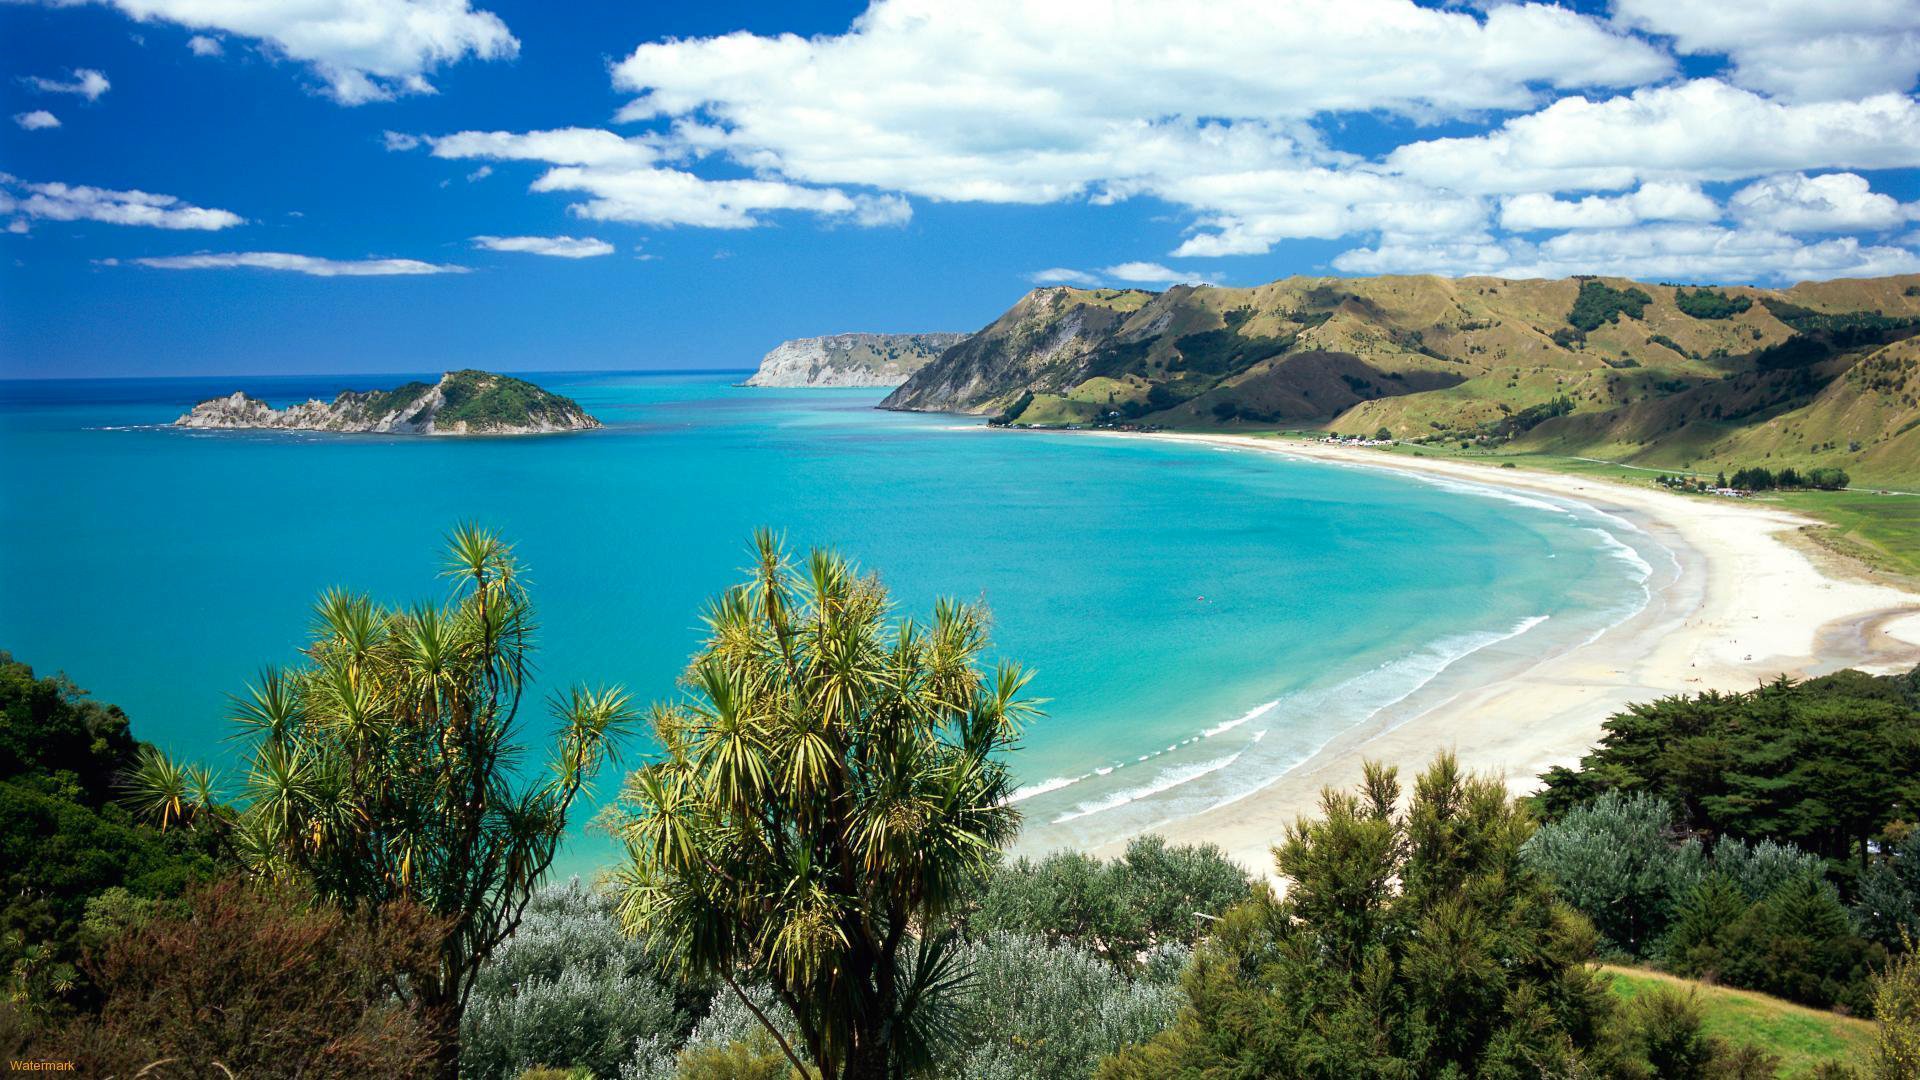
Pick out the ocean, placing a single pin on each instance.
(1199, 619)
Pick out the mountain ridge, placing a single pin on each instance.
(1667, 375)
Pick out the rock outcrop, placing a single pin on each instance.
(461, 403)
(851, 359)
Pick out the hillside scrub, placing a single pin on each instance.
(1471, 966)
(1710, 304)
(1599, 303)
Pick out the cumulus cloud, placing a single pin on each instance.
(202, 45)
(1699, 130)
(64, 202)
(310, 265)
(85, 82)
(626, 179)
(563, 247)
(479, 174)
(1671, 251)
(1836, 202)
(1655, 201)
(1791, 48)
(981, 101)
(37, 120)
(362, 50)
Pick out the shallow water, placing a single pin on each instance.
(1199, 618)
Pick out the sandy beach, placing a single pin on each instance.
(1750, 599)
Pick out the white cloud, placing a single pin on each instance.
(1793, 48)
(37, 120)
(362, 50)
(983, 101)
(1699, 130)
(298, 264)
(202, 45)
(624, 180)
(1060, 275)
(1836, 202)
(564, 247)
(1655, 201)
(479, 174)
(1672, 252)
(1149, 273)
(86, 83)
(561, 146)
(64, 202)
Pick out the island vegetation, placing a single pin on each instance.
(813, 882)
(460, 403)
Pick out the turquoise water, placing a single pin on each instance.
(1161, 591)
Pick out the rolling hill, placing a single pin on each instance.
(1661, 375)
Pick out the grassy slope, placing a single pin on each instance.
(1420, 355)
(1803, 1038)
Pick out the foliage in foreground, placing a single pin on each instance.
(254, 980)
(569, 989)
(65, 841)
(829, 791)
(1470, 967)
(1153, 896)
(384, 771)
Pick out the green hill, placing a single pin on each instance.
(1802, 1038)
(1666, 376)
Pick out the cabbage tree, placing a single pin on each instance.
(830, 786)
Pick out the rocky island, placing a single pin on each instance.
(461, 403)
(851, 359)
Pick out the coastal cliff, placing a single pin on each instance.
(1822, 374)
(850, 359)
(461, 403)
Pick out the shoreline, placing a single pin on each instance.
(1745, 603)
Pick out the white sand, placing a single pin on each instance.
(1747, 605)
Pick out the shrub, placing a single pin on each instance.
(1887, 907)
(1116, 910)
(1415, 945)
(1599, 303)
(1796, 942)
(568, 990)
(1710, 304)
(1618, 861)
(1039, 1011)
(259, 981)
(1896, 1004)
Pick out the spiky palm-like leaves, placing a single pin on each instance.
(384, 768)
(828, 788)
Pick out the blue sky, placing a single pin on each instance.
(397, 185)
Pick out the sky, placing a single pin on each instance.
(197, 187)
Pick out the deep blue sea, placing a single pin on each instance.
(1200, 619)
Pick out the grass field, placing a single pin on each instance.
(1802, 1038)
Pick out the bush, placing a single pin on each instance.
(1887, 907)
(1618, 861)
(1599, 303)
(568, 990)
(1039, 1011)
(1896, 1004)
(258, 981)
(1709, 304)
(1415, 945)
(1119, 910)
(1796, 942)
